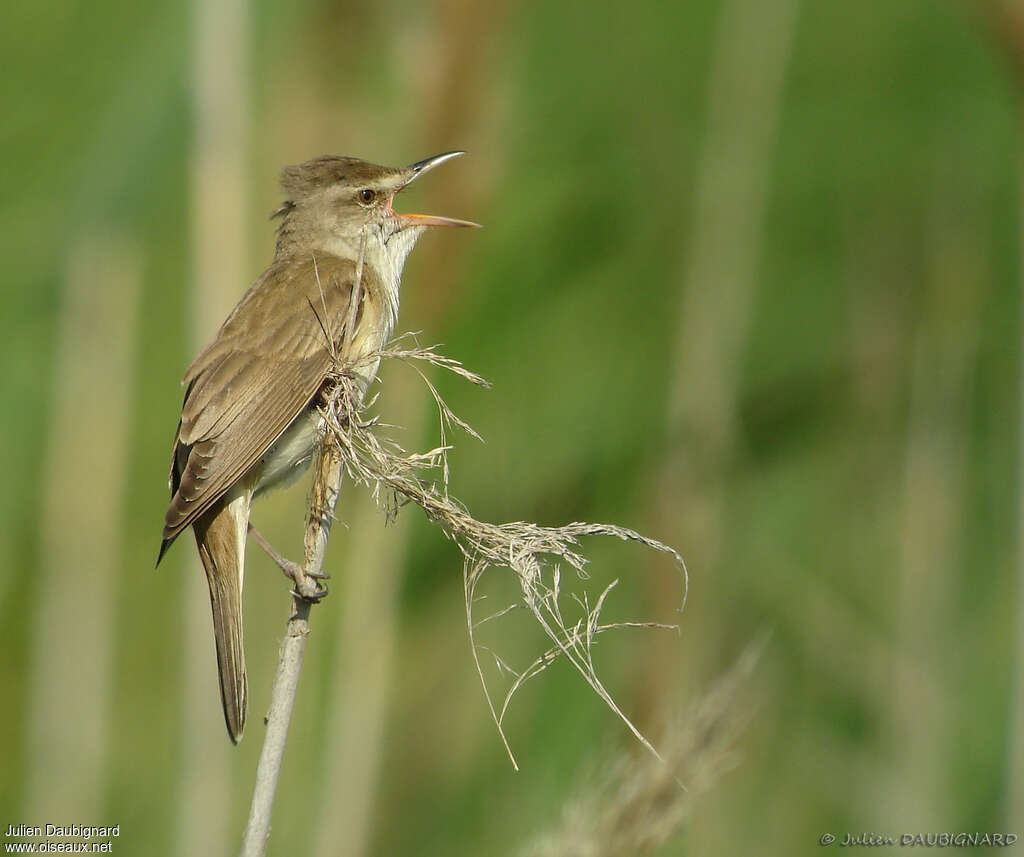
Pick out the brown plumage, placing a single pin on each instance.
(249, 419)
(261, 371)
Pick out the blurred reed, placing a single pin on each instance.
(719, 284)
(637, 803)
(1015, 802)
(220, 80)
(1004, 20)
(73, 644)
(931, 548)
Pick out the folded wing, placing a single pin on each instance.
(267, 362)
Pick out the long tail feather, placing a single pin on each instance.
(220, 535)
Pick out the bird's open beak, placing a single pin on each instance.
(415, 171)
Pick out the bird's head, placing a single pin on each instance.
(348, 199)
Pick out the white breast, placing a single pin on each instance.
(292, 452)
(290, 455)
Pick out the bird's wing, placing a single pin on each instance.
(265, 365)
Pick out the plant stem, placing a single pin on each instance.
(326, 487)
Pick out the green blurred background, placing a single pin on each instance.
(749, 283)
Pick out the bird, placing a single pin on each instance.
(249, 419)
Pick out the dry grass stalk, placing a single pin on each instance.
(534, 553)
(637, 802)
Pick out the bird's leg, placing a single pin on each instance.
(292, 570)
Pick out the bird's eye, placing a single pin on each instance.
(367, 195)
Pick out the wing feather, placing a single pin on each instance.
(262, 370)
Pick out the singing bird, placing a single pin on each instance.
(250, 420)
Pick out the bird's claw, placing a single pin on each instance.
(306, 585)
(311, 593)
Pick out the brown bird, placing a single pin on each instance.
(249, 420)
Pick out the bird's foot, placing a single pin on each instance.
(309, 590)
(306, 585)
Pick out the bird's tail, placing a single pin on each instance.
(220, 535)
